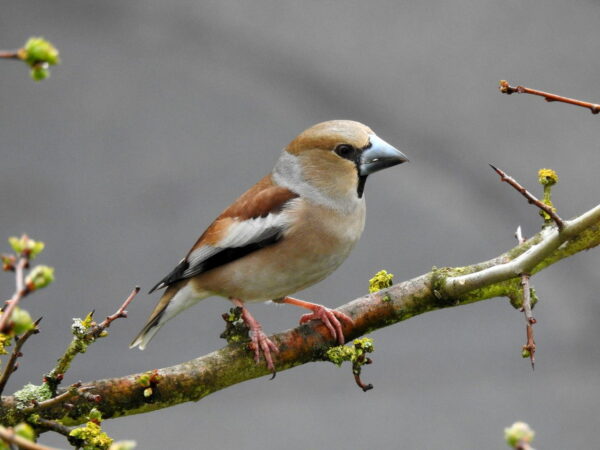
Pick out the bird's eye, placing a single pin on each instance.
(345, 151)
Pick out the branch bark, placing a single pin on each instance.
(440, 288)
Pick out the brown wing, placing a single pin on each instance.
(252, 222)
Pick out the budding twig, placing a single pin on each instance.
(532, 199)
(11, 364)
(506, 88)
(80, 342)
(53, 425)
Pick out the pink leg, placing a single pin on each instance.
(260, 341)
(329, 317)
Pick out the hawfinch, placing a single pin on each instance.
(289, 231)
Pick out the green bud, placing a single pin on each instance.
(144, 379)
(364, 344)
(39, 277)
(25, 244)
(8, 262)
(39, 72)
(525, 353)
(25, 431)
(37, 49)
(87, 322)
(16, 244)
(148, 392)
(518, 432)
(95, 415)
(547, 177)
(21, 321)
(36, 248)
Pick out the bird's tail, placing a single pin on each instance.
(147, 333)
(175, 299)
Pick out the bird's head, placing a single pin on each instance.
(336, 157)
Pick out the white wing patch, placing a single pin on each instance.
(253, 230)
(240, 234)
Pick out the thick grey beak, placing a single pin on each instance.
(379, 156)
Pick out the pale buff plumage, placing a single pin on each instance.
(289, 231)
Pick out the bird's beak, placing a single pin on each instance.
(379, 156)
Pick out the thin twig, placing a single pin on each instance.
(506, 88)
(526, 297)
(9, 54)
(532, 199)
(8, 435)
(11, 365)
(79, 342)
(75, 390)
(529, 319)
(53, 425)
(20, 292)
(121, 312)
(356, 370)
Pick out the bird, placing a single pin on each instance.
(289, 231)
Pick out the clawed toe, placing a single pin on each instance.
(259, 340)
(331, 319)
(261, 343)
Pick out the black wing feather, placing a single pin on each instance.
(175, 275)
(225, 256)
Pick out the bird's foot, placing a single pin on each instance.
(330, 317)
(259, 340)
(261, 343)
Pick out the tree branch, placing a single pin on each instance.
(440, 288)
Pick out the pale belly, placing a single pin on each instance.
(306, 256)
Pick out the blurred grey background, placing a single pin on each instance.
(163, 112)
